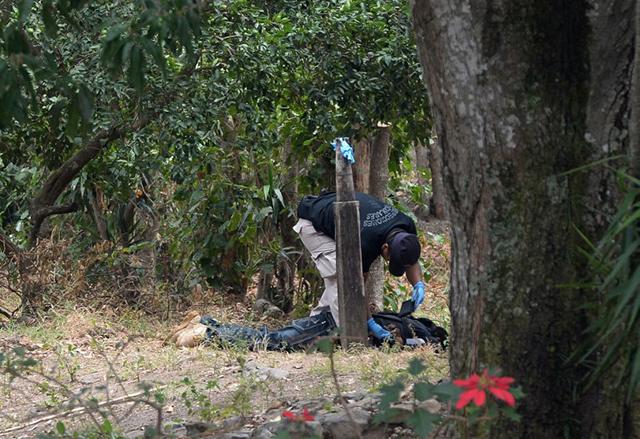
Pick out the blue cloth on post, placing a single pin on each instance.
(345, 148)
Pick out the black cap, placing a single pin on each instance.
(405, 251)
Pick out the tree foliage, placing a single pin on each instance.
(192, 106)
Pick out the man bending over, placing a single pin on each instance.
(384, 231)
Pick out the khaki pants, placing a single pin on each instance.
(323, 252)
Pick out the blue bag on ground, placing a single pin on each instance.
(406, 328)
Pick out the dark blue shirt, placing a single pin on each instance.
(377, 219)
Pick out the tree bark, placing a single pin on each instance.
(42, 205)
(438, 206)
(97, 214)
(524, 92)
(8, 247)
(378, 183)
(362, 167)
(634, 126)
(351, 295)
(286, 267)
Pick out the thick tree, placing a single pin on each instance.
(526, 96)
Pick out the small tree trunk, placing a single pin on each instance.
(148, 255)
(264, 285)
(29, 287)
(378, 183)
(437, 189)
(421, 160)
(285, 266)
(362, 167)
(97, 213)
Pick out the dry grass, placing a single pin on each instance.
(87, 345)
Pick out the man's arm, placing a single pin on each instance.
(414, 274)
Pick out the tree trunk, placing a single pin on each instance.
(285, 266)
(634, 126)
(147, 255)
(524, 92)
(362, 167)
(43, 205)
(378, 183)
(97, 208)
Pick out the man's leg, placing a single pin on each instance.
(330, 295)
(323, 252)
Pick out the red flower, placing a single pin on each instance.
(289, 415)
(304, 417)
(307, 416)
(476, 387)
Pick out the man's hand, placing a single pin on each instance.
(378, 331)
(418, 294)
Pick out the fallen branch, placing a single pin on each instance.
(8, 247)
(5, 312)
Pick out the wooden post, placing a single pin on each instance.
(351, 296)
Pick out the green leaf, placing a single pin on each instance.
(49, 19)
(234, 221)
(517, 392)
(390, 414)
(422, 422)
(24, 8)
(30, 362)
(125, 51)
(115, 32)
(85, 103)
(283, 434)
(324, 345)
(136, 69)
(390, 393)
(416, 366)
(55, 112)
(279, 195)
(423, 391)
(196, 196)
(107, 428)
(60, 428)
(15, 40)
(73, 120)
(447, 391)
(511, 414)
(156, 53)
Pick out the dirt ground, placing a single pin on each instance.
(118, 364)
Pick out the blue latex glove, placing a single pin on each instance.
(378, 331)
(345, 148)
(418, 294)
